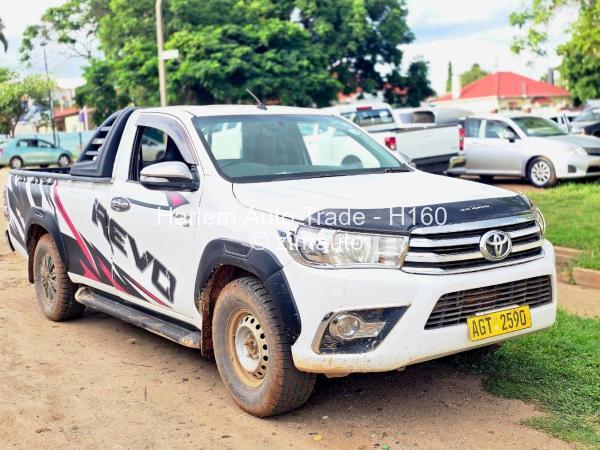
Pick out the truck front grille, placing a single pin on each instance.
(454, 248)
(455, 307)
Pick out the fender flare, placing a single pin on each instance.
(41, 217)
(260, 262)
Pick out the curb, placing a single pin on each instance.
(565, 255)
(587, 277)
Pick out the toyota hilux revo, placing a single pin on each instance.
(283, 242)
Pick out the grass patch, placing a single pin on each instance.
(558, 370)
(572, 212)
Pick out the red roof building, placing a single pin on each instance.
(506, 91)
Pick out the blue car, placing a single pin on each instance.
(18, 153)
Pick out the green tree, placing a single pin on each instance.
(411, 89)
(580, 66)
(299, 52)
(3, 39)
(473, 74)
(449, 79)
(16, 94)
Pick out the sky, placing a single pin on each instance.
(461, 31)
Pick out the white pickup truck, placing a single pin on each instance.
(232, 230)
(429, 146)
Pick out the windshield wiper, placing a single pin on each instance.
(393, 170)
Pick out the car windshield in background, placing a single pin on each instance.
(588, 115)
(538, 127)
(368, 117)
(250, 148)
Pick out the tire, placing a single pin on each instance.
(43, 166)
(541, 173)
(64, 160)
(266, 383)
(54, 290)
(15, 163)
(487, 179)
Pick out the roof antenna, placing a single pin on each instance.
(259, 103)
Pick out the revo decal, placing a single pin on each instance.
(117, 237)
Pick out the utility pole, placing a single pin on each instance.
(51, 101)
(162, 75)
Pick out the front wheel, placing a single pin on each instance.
(64, 160)
(253, 354)
(541, 173)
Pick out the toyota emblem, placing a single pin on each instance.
(495, 245)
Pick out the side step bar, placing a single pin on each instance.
(181, 334)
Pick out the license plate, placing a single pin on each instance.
(499, 322)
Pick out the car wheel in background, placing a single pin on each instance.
(486, 178)
(252, 351)
(53, 288)
(15, 162)
(43, 166)
(64, 160)
(541, 173)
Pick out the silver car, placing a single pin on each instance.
(526, 146)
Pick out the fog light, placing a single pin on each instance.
(344, 327)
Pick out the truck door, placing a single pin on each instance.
(152, 229)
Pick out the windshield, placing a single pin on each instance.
(250, 148)
(538, 127)
(589, 115)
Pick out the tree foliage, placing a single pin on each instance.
(297, 52)
(580, 66)
(449, 78)
(17, 93)
(473, 74)
(409, 89)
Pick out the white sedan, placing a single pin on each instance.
(526, 146)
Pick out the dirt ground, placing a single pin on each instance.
(100, 383)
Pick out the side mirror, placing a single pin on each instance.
(509, 135)
(170, 175)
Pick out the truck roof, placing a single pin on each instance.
(233, 110)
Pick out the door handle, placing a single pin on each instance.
(120, 204)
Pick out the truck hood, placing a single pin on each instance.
(382, 198)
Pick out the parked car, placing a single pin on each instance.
(429, 116)
(273, 255)
(564, 119)
(526, 146)
(430, 147)
(17, 153)
(588, 122)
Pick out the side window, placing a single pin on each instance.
(152, 146)
(44, 144)
(494, 129)
(472, 127)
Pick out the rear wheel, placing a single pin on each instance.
(54, 290)
(253, 353)
(541, 173)
(15, 162)
(64, 160)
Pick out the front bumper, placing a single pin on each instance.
(579, 166)
(318, 292)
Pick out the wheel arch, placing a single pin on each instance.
(223, 261)
(38, 223)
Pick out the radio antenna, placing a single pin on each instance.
(259, 103)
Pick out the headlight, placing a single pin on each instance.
(577, 151)
(539, 218)
(322, 247)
